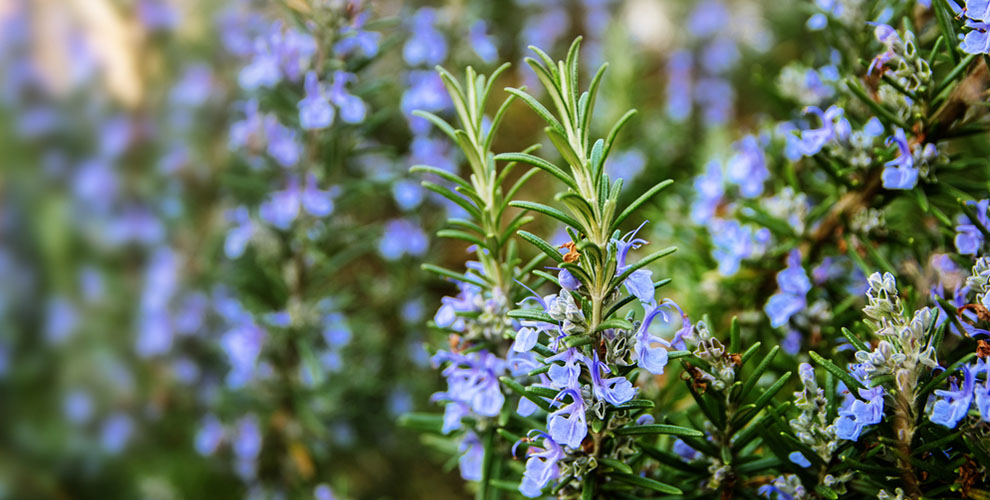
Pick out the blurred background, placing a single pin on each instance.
(210, 286)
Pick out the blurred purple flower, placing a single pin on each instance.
(315, 111)
(900, 172)
(426, 46)
(790, 298)
(969, 237)
(402, 237)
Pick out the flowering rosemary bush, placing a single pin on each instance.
(569, 376)
(219, 279)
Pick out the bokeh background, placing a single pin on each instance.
(199, 298)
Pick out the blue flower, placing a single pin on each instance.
(283, 143)
(483, 43)
(354, 39)
(282, 207)
(472, 457)
(798, 459)
(900, 172)
(794, 286)
(323, 492)
(651, 352)
(732, 242)
(707, 18)
(424, 91)
(747, 168)
(352, 108)
(834, 127)
(615, 390)
(817, 22)
(981, 392)
(541, 466)
(977, 41)
(686, 452)
(242, 344)
(969, 238)
(709, 193)
(890, 39)
(566, 376)
(640, 282)
(116, 432)
(855, 414)
(315, 111)
(402, 238)
(978, 10)
(209, 435)
(472, 381)
(679, 85)
(626, 165)
(426, 46)
(953, 405)
(568, 425)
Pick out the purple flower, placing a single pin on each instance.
(977, 41)
(615, 390)
(732, 242)
(566, 376)
(978, 10)
(817, 22)
(402, 237)
(426, 46)
(626, 165)
(472, 381)
(424, 91)
(640, 282)
(715, 96)
(969, 238)
(889, 38)
(679, 85)
(720, 55)
(541, 466)
(798, 459)
(855, 414)
(953, 405)
(115, 432)
(77, 407)
(154, 322)
(355, 39)
(239, 235)
(651, 352)
(352, 108)
(687, 453)
(567, 280)
(747, 168)
(209, 435)
(323, 492)
(472, 457)
(483, 43)
(464, 302)
(834, 128)
(407, 194)
(315, 111)
(247, 439)
(282, 207)
(900, 173)
(707, 18)
(568, 425)
(981, 392)
(242, 343)
(157, 15)
(790, 299)
(709, 191)
(283, 143)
